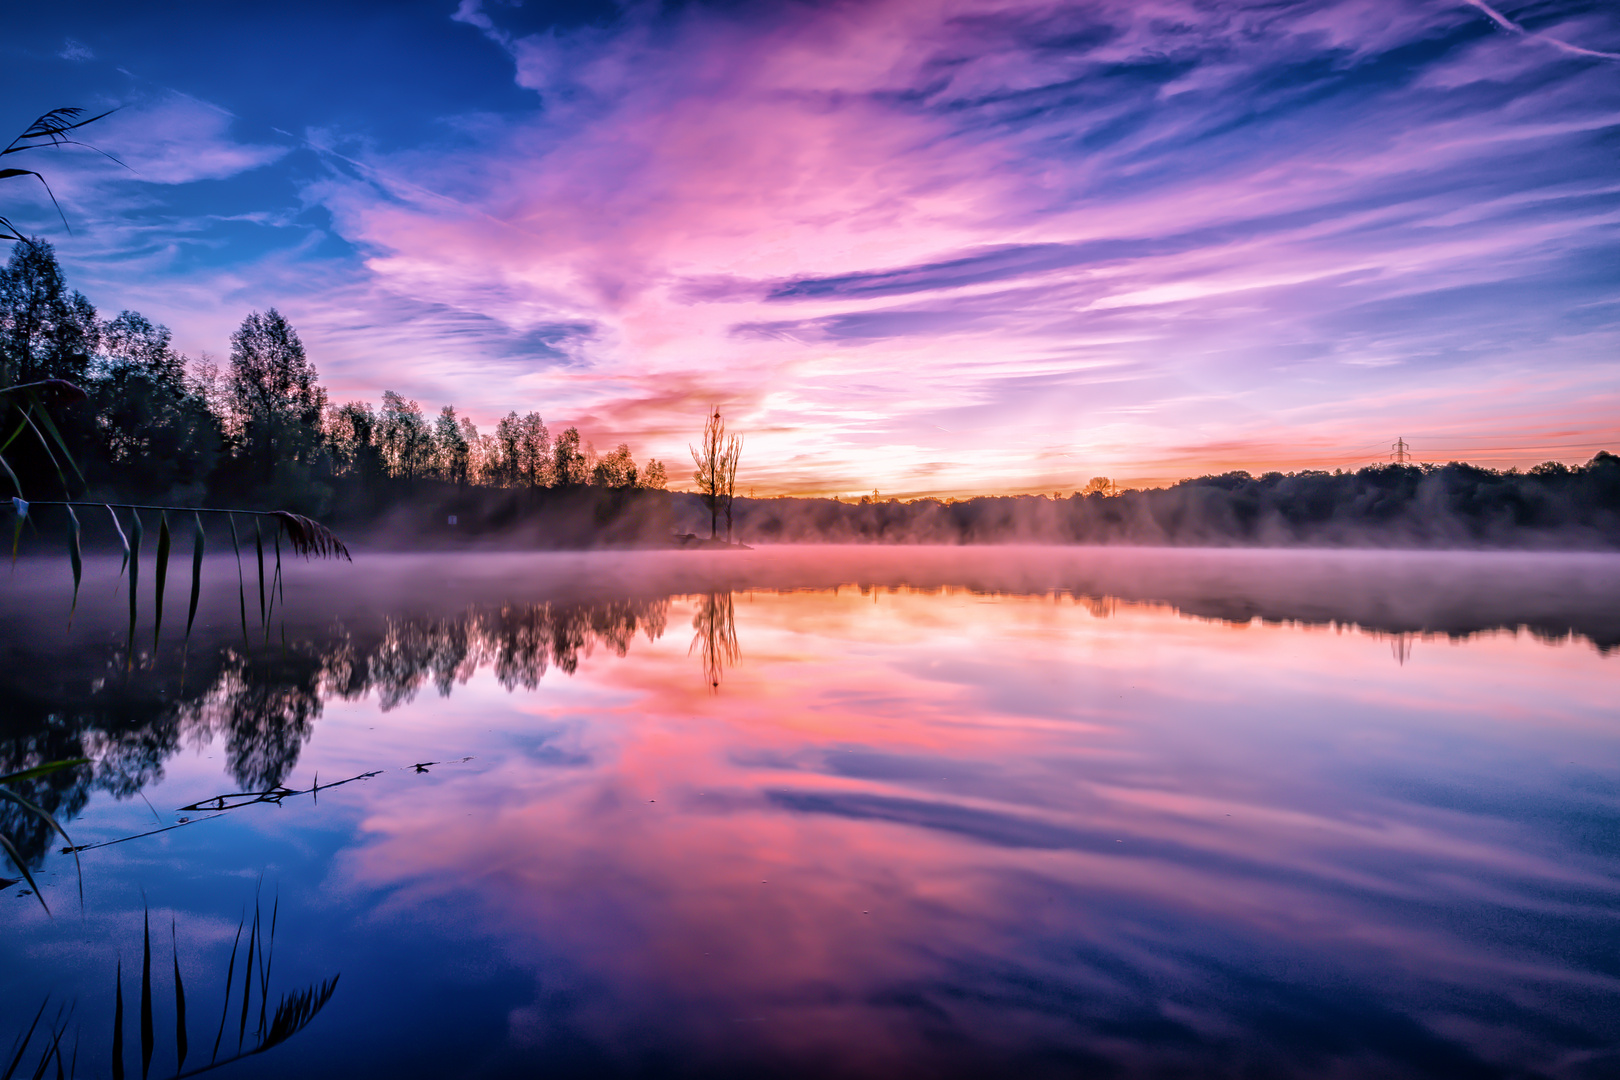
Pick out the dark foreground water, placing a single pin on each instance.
(819, 812)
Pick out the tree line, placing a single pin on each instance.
(1553, 505)
(260, 428)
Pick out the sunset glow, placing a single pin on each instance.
(921, 246)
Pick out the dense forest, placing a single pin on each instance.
(1452, 505)
(260, 431)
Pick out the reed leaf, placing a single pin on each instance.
(28, 418)
(50, 426)
(122, 539)
(118, 1023)
(16, 485)
(230, 972)
(54, 1051)
(311, 537)
(179, 1001)
(45, 816)
(247, 978)
(22, 426)
(136, 532)
(28, 1036)
(16, 857)
(241, 584)
(48, 767)
(76, 557)
(21, 508)
(268, 956)
(164, 542)
(196, 572)
(258, 543)
(147, 1040)
(295, 1011)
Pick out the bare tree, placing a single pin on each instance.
(716, 475)
(733, 455)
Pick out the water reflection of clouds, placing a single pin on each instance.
(979, 872)
(950, 831)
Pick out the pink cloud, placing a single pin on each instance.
(1232, 222)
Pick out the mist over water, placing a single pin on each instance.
(830, 811)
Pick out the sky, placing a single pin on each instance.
(920, 247)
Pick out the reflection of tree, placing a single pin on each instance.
(716, 626)
(263, 705)
(413, 652)
(128, 737)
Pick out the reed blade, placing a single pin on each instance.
(28, 418)
(118, 1023)
(179, 1002)
(21, 508)
(230, 972)
(295, 1011)
(76, 557)
(247, 979)
(50, 426)
(241, 582)
(27, 1037)
(146, 993)
(45, 816)
(124, 540)
(163, 545)
(197, 541)
(136, 533)
(55, 1051)
(258, 543)
(268, 955)
(22, 426)
(46, 769)
(16, 485)
(16, 857)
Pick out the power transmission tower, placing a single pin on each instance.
(1399, 451)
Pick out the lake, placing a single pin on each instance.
(1012, 812)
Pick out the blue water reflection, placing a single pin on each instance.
(661, 816)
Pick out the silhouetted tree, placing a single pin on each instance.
(46, 330)
(615, 470)
(275, 403)
(1098, 485)
(403, 436)
(154, 432)
(351, 436)
(451, 447)
(533, 447)
(569, 466)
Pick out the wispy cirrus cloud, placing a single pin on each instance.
(914, 206)
(953, 245)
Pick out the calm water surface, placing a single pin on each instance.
(1009, 812)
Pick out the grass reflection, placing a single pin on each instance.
(259, 1027)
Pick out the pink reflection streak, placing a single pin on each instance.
(662, 868)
